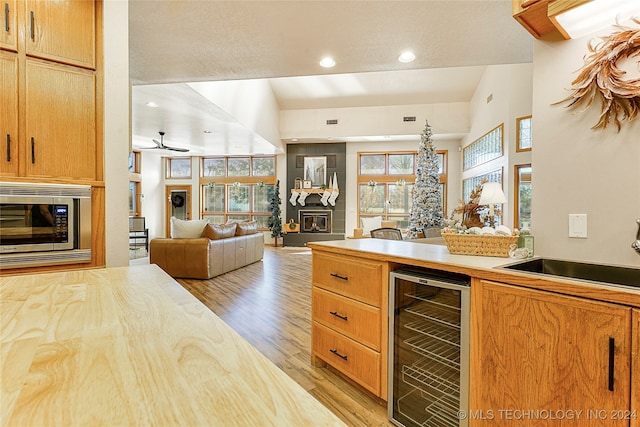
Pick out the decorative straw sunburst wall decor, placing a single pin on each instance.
(601, 78)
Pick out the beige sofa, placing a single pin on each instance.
(220, 249)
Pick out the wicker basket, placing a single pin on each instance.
(474, 244)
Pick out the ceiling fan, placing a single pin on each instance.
(160, 145)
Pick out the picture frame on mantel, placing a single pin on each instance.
(306, 183)
(315, 170)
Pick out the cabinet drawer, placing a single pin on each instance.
(352, 277)
(351, 318)
(358, 362)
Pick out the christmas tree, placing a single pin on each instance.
(426, 207)
(275, 223)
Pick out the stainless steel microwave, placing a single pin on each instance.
(44, 224)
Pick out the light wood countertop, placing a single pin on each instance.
(420, 253)
(130, 346)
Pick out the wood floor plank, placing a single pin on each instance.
(269, 304)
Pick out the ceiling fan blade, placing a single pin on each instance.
(182, 150)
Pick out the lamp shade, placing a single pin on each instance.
(492, 194)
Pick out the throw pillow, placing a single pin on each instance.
(190, 229)
(217, 232)
(370, 223)
(243, 228)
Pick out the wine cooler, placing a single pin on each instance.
(428, 348)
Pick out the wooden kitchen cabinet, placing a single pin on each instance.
(9, 31)
(8, 114)
(541, 351)
(50, 93)
(62, 31)
(60, 118)
(350, 319)
(635, 368)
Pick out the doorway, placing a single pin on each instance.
(178, 204)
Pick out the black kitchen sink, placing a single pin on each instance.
(607, 274)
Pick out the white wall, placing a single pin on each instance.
(116, 130)
(580, 170)
(509, 87)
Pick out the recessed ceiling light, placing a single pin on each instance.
(407, 56)
(152, 104)
(327, 62)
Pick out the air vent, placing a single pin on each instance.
(332, 121)
(409, 119)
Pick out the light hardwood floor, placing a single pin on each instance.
(269, 304)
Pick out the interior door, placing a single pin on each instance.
(178, 204)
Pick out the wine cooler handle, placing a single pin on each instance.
(612, 351)
(337, 276)
(338, 354)
(335, 313)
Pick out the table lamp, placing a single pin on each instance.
(491, 195)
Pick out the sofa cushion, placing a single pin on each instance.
(219, 231)
(370, 223)
(190, 229)
(244, 228)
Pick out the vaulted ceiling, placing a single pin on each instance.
(176, 42)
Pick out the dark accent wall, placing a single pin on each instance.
(336, 162)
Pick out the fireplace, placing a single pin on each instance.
(315, 221)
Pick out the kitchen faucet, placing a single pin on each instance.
(636, 245)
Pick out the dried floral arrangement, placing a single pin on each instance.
(469, 214)
(601, 78)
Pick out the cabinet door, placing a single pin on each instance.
(539, 351)
(62, 30)
(60, 121)
(635, 370)
(9, 30)
(8, 114)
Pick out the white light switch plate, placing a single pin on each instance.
(578, 225)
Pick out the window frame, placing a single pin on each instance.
(387, 179)
(229, 181)
(519, 148)
(516, 192)
(169, 169)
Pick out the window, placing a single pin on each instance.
(386, 181)
(469, 184)
(238, 166)
(135, 184)
(523, 134)
(484, 149)
(214, 167)
(238, 188)
(522, 204)
(179, 167)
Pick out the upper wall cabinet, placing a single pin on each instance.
(49, 33)
(533, 16)
(9, 31)
(60, 121)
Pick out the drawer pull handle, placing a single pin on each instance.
(32, 30)
(335, 313)
(6, 17)
(338, 354)
(612, 351)
(337, 276)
